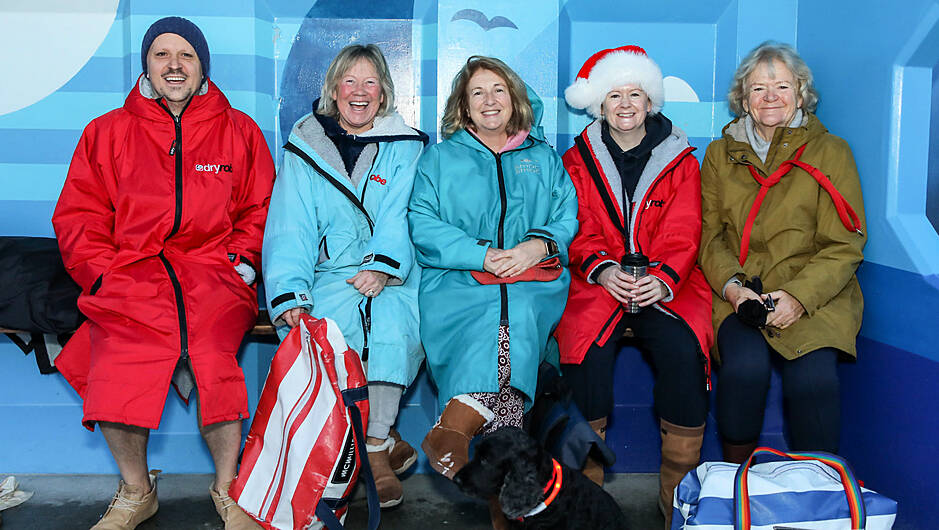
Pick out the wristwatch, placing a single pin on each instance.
(550, 246)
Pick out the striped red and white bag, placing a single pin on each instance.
(304, 451)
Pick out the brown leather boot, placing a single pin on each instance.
(593, 468)
(737, 453)
(681, 450)
(402, 456)
(447, 443)
(130, 506)
(232, 515)
(390, 491)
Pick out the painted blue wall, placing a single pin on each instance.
(877, 87)
(876, 74)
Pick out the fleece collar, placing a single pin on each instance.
(207, 103)
(146, 88)
(662, 155)
(311, 133)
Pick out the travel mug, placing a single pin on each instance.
(636, 265)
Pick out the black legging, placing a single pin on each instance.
(810, 389)
(680, 392)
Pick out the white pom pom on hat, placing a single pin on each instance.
(611, 68)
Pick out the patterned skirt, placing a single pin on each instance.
(507, 404)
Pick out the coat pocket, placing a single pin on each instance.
(324, 251)
(337, 250)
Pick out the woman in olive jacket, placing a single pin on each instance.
(781, 200)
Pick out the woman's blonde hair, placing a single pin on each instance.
(766, 53)
(456, 112)
(346, 59)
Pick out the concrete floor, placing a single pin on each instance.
(65, 502)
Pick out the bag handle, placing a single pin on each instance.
(851, 487)
(351, 397)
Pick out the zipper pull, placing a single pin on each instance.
(173, 148)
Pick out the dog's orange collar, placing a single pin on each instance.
(554, 485)
(551, 489)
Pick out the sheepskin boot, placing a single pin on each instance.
(447, 443)
(681, 450)
(130, 506)
(232, 515)
(737, 453)
(593, 468)
(402, 456)
(390, 491)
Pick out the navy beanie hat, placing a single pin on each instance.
(184, 29)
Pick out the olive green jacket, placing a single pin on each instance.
(797, 243)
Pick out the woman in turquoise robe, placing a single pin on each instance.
(494, 198)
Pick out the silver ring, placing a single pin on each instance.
(370, 293)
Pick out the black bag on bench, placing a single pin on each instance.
(36, 293)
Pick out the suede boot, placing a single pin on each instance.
(130, 506)
(593, 468)
(402, 456)
(232, 515)
(681, 451)
(737, 453)
(447, 443)
(390, 491)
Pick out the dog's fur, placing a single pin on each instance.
(511, 465)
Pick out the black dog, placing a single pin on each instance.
(533, 488)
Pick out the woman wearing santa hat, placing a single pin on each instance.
(639, 192)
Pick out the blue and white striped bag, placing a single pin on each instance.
(804, 491)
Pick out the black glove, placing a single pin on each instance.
(753, 312)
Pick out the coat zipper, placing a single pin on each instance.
(335, 183)
(369, 174)
(503, 290)
(704, 358)
(177, 151)
(180, 308)
(366, 317)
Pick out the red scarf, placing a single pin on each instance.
(848, 218)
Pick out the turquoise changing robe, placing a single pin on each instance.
(467, 198)
(325, 226)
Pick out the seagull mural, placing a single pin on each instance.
(480, 18)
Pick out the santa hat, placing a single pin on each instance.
(611, 68)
